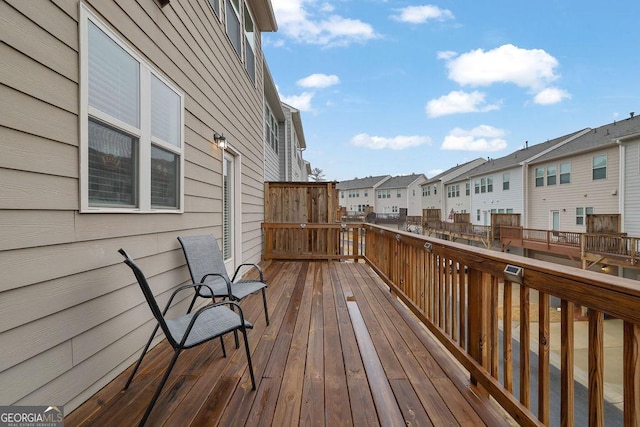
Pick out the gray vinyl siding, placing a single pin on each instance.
(631, 194)
(71, 316)
(271, 164)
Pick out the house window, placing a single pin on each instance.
(342, 194)
(215, 5)
(232, 14)
(551, 175)
(565, 173)
(509, 210)
(394, 209)
(490, 184)
(483, 185)
(426, 191)
(600, 167)
(249, 45)
(384, 194)
(457, 190)
(580, 214)
(505, 181)
(467, 189)
(539, 177)
(271, 128)
(435, 190)
(132, 129)
(477, 186)
(478, 215)
(398, 193)
(366, 193)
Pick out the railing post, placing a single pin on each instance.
(478, 319)
(631, 374)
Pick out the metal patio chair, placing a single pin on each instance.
(206, 266)
(192, 329)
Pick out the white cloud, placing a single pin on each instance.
(422, 14)
(302, 102)
(308, 22)
(434, 172)
(396, 143)
(529, 68)
(481, 138)
(319, 81)
(551, 95)
(447, 54)
(458, 102)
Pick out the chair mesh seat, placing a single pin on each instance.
(240, 288)
(219, 319)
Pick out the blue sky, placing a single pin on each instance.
(393, 87)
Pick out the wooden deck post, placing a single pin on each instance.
(478, 325)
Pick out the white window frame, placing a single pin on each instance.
(145, 139)
(228, 4)
(250, 42)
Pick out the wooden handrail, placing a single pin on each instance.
(448, 284)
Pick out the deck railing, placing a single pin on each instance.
(468, 297)
(454, 289)
(312, 241)
(460, 228)
(620, 246)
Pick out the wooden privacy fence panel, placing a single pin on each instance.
(300, 202)
(462, 294)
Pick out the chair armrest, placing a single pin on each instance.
(179, 289)
(217, 275)
(256, 266)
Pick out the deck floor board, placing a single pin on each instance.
(309, 364)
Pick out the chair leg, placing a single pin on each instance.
(246, 347)
(264, 301)
(224, 351)
(159, 389)
(144, 352)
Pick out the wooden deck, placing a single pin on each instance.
(340, 351)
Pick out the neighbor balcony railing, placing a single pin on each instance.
(464, 294)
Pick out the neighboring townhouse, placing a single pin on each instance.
(274, 128)
(497, 186)
(398, 192)
(456, 195)
(356, 194)
(306, 171)
(578, 178)
(108, 116)
(292, 143)
(630, 183)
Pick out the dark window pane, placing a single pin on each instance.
(164, 178)
(112, 170)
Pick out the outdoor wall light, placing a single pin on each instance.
(428, 247)
(220, 140)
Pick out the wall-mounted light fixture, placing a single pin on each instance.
(220, 140)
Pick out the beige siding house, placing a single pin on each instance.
(107, 118)
(578, 178)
